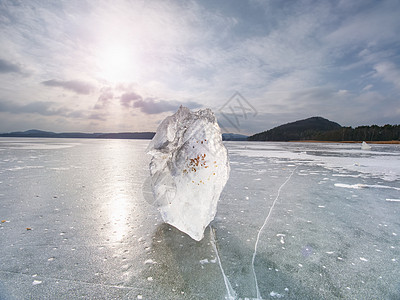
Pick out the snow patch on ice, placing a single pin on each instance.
(149, 262)
(350, 186)
(392, 200)
(364, 186)
(276, 295)
(36, 282)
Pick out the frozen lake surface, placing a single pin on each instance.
(75, 224)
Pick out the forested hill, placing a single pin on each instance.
(300, 130)
(317, 128)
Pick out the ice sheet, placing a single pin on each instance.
(382, 161)
(93, 235)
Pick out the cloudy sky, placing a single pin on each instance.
(112, 66)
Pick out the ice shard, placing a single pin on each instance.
(188, 170)
(365, 146)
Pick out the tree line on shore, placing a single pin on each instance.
(362, 133)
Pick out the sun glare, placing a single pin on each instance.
(117, 64)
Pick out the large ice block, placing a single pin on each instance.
(189, 169)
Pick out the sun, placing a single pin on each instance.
(117, 64)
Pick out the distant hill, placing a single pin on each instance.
(234, 137)
(33, 133)
(315, 128)
(320, 129)
(307, 129)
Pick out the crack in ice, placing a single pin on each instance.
(231, 293)
(262, 227)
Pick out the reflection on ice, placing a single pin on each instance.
(118, 213)
(36, 144)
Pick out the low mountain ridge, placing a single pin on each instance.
(306, 129)
(34, 133)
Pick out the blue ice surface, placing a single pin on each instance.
(76, 224)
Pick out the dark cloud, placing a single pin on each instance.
(79, 87)
(44, 108)
(8, 67)
(48, 109)
(128, 98)
(97, 116)
(39, 107)
(77, 114)
(151, 106)
(104, 98)
(131, 99)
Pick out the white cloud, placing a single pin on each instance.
(367, 87)
(77, 86)
(389, 72)
(367, 23)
